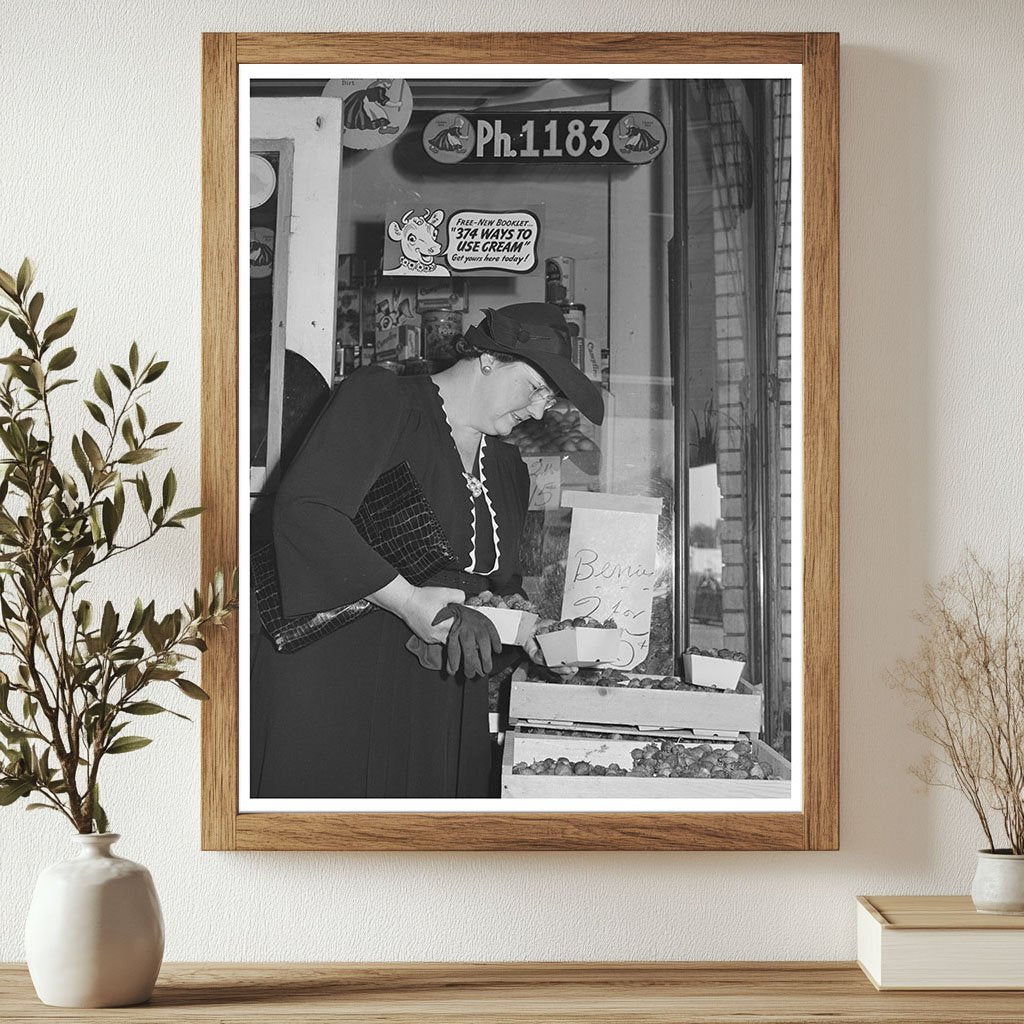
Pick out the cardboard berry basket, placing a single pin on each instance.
(580, 645)
(514, 627)
(714, 673)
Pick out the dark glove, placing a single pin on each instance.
(472, 640)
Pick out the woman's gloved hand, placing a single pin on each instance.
(472, 640)
(425, 611)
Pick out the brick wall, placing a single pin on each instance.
(782, 125)
(733, 330)
(730, 158)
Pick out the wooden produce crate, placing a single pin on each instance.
(646, 735)
(520, 746)
(705, 712)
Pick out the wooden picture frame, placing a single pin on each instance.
(816, 826)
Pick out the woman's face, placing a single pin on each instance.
(510, 393)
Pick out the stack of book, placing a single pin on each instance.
(938, 942)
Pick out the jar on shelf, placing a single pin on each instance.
(440, 329)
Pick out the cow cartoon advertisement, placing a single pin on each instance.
(424, 241)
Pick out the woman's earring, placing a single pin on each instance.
(485, 367)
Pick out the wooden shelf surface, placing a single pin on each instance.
(621, 993)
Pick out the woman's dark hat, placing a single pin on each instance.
(537, 333)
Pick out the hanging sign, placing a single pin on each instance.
(429, 242)
(261, 251)
(610, 567)
(545, 137)
(262, 180)
(545, 481)
(375, 111)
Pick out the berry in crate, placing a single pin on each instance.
(613, 677)
(583, 621)
(722, 652)
(513, 602)
(667, 760)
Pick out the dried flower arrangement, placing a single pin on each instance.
(967, 680)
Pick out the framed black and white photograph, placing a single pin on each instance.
(534, 340)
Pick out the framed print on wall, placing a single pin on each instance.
(538, 333)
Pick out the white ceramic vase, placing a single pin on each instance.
(999, 882)
(95, 933)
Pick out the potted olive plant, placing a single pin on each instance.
(967, 682)
(78, 672)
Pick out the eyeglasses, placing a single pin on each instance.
(542, 396)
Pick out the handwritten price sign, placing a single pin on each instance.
(545, 481)
(610, 568)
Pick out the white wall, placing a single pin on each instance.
(99, 165)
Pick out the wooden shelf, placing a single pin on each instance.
(695, 993)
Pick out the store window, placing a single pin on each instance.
(733, 184)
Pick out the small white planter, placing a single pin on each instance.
(999, 883)
(95, 933)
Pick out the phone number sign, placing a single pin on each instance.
(545, 137)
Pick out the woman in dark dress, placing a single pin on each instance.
(355, 714)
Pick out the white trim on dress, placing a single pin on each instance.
(490, 510)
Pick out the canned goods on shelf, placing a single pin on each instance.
(560, 279)
(440, 329)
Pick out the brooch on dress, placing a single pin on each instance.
(475, 486)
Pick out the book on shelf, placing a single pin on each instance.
(938, 942)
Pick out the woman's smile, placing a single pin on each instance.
(517, 416)
(501, 429)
